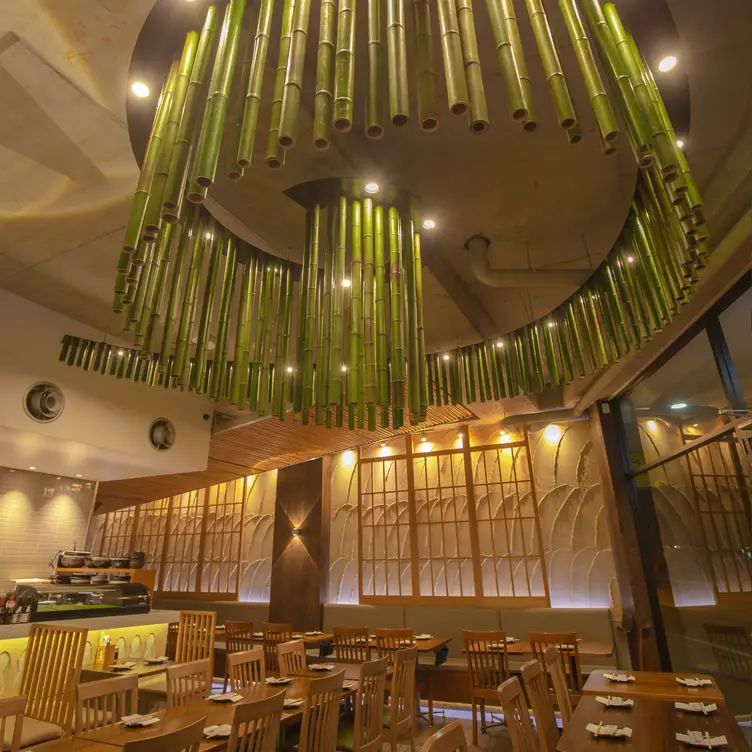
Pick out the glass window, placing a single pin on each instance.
(736, 321)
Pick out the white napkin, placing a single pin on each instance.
(699, 739)
(619, 677)
(313, 633)
(321, 666)
(349, 684)
(296, 636)
(258, 634)
(219, 731)
(692, 682)
(278, 680)
(137, 720)
(618, 732)
(696, 707)
(615, 702)
(423, 636)
(293, 703)
(225, 697)
(124, 666)
(161, 659)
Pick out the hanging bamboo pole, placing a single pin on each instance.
(235, 118)
(259, 370)
(422, 385)
(530, 121)
(407, 236)
(382, 356)
(369, 313)
(354, 375)
(426, 69)
(310, 307)
(156, 294)
(471, 61)
(506, 54)
(344, 67)
(399, 100)
(275, 154)
(454, 67)
(280, 354)
(239, 383)
(396, 291)
(288, 124)
(324, 355)
(207, 307)
(299, 378)
(219, 372)
(337, 310)
(374, 92)
(322, 107)
(574, 134)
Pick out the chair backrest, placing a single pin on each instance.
(559, 681)
(389, 641)
(732, 648)
(351, 644)
(369, 706)
(255, 725)
(188, 682)
(54, 656)
(238, 636)
(487, 658)
(318, 732)
(186, 739)
(516, 716)
(171, 649)
(196, 636)
(402, 697)
(566, 644)
(536, 686)
(273, 635)
(291, 657)
(449, 739)
(246, 668)
(102, 703)
(12, 707)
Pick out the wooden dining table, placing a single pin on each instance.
(654, 725)
(653, 685)
(92, 671)
(72, 744)
(352, 670)
(309, 640)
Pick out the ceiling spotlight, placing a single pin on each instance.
(668, 63)
(446, 357)
(680, 143)
(345, 283)
(423, 440)
(31, 467)
(383, 444)
(289, 369)
(78, 475)
(550, 324)
(372, 188)
(140, 89)
(428, 224)
(678, 405)
(499, 344)
(630, 259)
(121, 352)
(208, 236)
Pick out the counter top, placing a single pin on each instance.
(155, 616)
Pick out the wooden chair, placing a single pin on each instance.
(102, 703)
(559, 681)
(449, 739)
(732, 649)
(11, 722)
(188, 682)
(517, 717)
(536, 686)
(171, 648)
(238, 639)
(52, 669)
(255, 725)
(318, 732)
(246, 668)
(351, 644)
(566, 644)
(291, 657)
(186, 739)
(488, 666)
(401, 720)
(274, 634)
(365, 732)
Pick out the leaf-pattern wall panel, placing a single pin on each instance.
(150, 533)
(343, 534)
(258, 535)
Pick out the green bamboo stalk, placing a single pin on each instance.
(288, 122)
(407, 233)
(324, 355)
(445, 378)
(603, 314)
(156, 298)
(280, 354)
(496, 380)
(619, 295)
(137, 309)
(337, 312)
(153, 216)
(219, 372)
(529, 122)
(565, 356)
(506, 54)
(344, 71)
(257, 396)
(302, 291)
(369, 312)
(239, 382)
(234, 130)
(650, 268)
(319, 369)
(275, 154)
(396, 291)
(426, 69)
(382, 366)
(626, 281)
(471, 61)
(451, 47)
(374, 98)
(548, 329)
(215, 114)
(418, 271)
(557, 83)
(484, 371)
(311, 311)
(399, 100)
(207, 307)
(431, 396)
(355, 376)
(574, 134)
(575, 338)
(255, 84)
(322, 105)
(599, 101)
(287, 327)
(534, 345)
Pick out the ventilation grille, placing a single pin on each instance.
(44, 402)
(162, 434)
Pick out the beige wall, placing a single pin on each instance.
(38, 515)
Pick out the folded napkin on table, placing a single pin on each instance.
(225, 697)
(696, 707)
(615, 702)
(321, 666)
(618, 732)
(137, 720)
(278, 680)
(124, 666)
(619, 677)
(692, 682)
(219, 731)
(701, 739)
(293, 703)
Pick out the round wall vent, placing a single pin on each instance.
(162, 434)
(44, 402)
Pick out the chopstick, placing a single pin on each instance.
(598, 730)
(707, 739)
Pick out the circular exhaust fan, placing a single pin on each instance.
(44, 402)
(162, 434)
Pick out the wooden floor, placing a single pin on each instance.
(494, 740)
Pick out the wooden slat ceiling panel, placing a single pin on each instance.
(260, 446)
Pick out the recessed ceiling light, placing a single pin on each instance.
(678, 405)
(499, 344)
(345, 283)
(140, 89)
(428, 224)
(630, 259)
(58, 478)
(372, 188)
(31, 467)
(668, 63)
(680, 143)
(78, 475)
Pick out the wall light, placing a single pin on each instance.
(428, 224)
(296, 531)
(289, 369)
(372, 188)
(31, 467)
(678, 405)
(385, 451)
(140, 89)
(652, 426)
(344, 368)
(504, 438)
(680, 143)
(348, 458)
(345, 283)
(121, 352)
(499, 344)
(630, 259)
(425, 446)
(552, 433)
(446, 357)
(458, 442)
(668, 63)
(550, 324)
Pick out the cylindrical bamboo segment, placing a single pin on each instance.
(599, 101)
(418, 270)
(382, 353)
(407, 235)
(471, 60)
(156, 296)
(280, 353)
(344, 67)
(324, 352)
(426, 69)
(288, 125)
(530, 121)
(235, 119)
(574, 134)
(239, 380)
(369, 308)
(399, 101)
(354, 375)
(139, 300)
(337, 310)
(219, 371)
(507, 55)
(454, 66)
(310, 313)
(257, 392)
(396, 291)
(255, 84)
(302, 291)
(557, 84)
(275, 154)
(207, 308)
(322, 106)
(375, 88)
(212, 126)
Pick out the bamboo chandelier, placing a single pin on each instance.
(343, 334)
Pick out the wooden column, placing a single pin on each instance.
(300, 563)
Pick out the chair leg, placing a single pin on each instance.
(475, 722)
(482, 716)
(430, 699)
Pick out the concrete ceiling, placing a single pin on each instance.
(68, 168)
